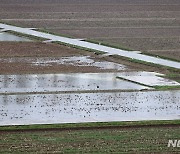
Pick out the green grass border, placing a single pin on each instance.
(91, 125)
(80, 48)
(108, 44)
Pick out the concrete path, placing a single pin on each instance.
(109, 50)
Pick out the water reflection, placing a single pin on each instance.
(72, 61)
(9, 37)
(89, 107)
(64, 82)
(148, 78)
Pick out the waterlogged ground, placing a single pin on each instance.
(148, 78)
(80, 82)
(79, 61)
(89, 107)
(9, 37)
(64, 82)
(83, 97)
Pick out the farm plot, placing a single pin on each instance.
(149, 26)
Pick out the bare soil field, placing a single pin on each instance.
(18, 58)
(149, 26)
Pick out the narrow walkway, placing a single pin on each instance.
(109, 50)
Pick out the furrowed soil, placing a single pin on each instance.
(116, 140)
(149, 26)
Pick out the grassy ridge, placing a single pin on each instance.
(91, 125)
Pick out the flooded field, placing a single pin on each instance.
(64, 82)
(89, 107)
(81, 82)
(9, 37)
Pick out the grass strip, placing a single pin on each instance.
(92, 125)
(109, 45)
(81, 48)
(166, 87)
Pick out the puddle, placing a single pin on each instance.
(148, 78)
(64, 82)
(109, 50)
(79, 61)
(72, 61)
(9, 37)
(89, 107)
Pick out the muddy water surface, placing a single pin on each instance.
(64, 82)
(148, 78)
(69, 61)
(89, 107)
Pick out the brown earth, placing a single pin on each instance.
(35, 50)
(31, 50)
(149, 26)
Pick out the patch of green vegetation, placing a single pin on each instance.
(109, 45)
(35, 38)
(131, 140)
(173, 76)
(91, 125)
(81, 48)
(166, 87)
